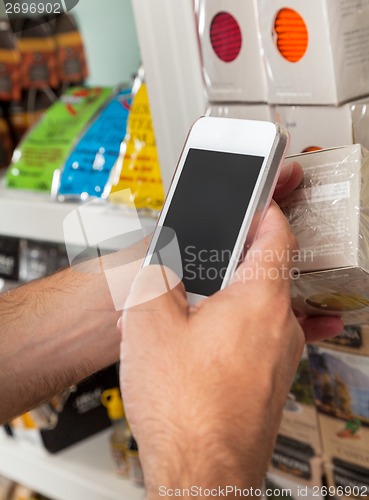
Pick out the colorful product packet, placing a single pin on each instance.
(139, 163)
(87, 170)
(47, 146)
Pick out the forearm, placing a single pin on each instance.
(56, 331)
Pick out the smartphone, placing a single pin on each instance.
(219, 194)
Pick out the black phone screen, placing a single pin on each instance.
(206, 213)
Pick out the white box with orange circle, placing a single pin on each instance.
(329, 214)
(262, 112)
(316, 52)
(321, 127)
(231, 53)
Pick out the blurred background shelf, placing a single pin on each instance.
(83, 471)
(37, 217)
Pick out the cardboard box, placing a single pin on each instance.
(262, 112)
(280, 486)
(329, 214)
(296, 460)
(300, 419)
(9, 258)
(315, 52)
(321, 127)
(341, 389)
(347, 481)
(354, 340)
(297, 463)
(232, 61)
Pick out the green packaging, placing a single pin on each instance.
(47, 146)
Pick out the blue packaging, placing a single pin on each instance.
(87, 170)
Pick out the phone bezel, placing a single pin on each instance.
(246, 137)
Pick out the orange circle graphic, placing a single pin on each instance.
(291, 35)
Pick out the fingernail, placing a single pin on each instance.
(119, 324)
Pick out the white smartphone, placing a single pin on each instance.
(219, 194)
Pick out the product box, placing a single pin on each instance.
(346, 481)
(297, 463)
(9, 258)
(231, 53)
(281, 486)
(354, 340)
(329, 214)
(82, 415)
(320, 127)
(262, 112)
(300, 419)
(315, 52)
(341, 391)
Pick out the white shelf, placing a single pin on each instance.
(36, 216)
(83, 471)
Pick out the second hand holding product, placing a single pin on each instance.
(219, 195)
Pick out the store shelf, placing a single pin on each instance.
(83, 471)
(36, 216)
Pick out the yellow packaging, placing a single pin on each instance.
(139, 163)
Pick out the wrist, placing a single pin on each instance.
(211, 462)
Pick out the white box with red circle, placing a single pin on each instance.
(316, 52)
(242, 111)
(231, 51)
(322, 127)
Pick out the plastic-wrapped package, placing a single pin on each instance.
(38, 49)
(315, 52)
(25, 113)
(46, 147)
(242, 111)
(71, 57)
(136, 179)
(231, 51)
(87, 170)
(329, 214)
(321, 127)
(10, 64)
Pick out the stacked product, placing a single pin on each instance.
(315, 72)
(93, 142)
(340, 372)
(136, 180)
(297, 463)
(233, 69)
(306, 65)
(328, 213)
(37, 63)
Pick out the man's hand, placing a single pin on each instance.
(204, 387)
